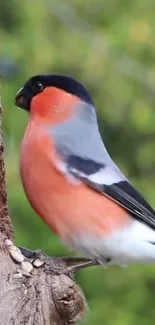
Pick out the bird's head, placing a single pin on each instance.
(52, 96)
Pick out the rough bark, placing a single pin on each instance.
(49, 296)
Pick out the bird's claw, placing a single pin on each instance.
(28, 260)
(37, 257)
(28, 253)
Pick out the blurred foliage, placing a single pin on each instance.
(109, 46)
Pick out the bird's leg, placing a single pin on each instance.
(29, 259)
(72, 261)
(88, 262)
(82, 265)
(104, 262)
(80, 262)
(37, 256)
(28, 253)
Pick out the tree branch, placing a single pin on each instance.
(47, 294)
(5, 221)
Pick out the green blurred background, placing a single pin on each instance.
(109, 46)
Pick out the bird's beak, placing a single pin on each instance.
(21, 99)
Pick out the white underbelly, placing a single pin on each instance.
(133, 245)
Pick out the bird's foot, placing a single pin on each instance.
(37, 257)
(28, 260)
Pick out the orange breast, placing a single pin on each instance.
(66, 208)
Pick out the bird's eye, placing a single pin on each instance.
(38, 87)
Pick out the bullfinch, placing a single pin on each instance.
(71, 181)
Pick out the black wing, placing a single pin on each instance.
(121, 192)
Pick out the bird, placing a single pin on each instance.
(71, 181)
